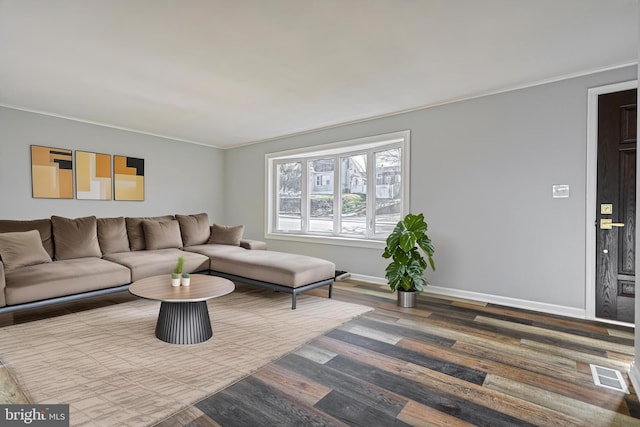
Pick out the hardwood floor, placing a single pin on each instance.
(445, 363)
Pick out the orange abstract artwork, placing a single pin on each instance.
(51, 173)
(129, 178)
(93, 176)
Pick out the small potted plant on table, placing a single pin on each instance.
(185, 280)
(175, 276)
(405, 246)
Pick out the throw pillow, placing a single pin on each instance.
(162, 234)
(194, 229)
(226, 235)
(42, 225)
(75, 238)
(112, 235)
(19, 249)
(136, 232)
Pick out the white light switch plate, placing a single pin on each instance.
(560, 191)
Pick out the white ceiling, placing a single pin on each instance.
(231, 72)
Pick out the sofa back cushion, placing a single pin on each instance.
(226, 235)
(136, 232)
(75, 238)
(42, 225)
(162, 234)
(22, 248)
(194, 229)
(112, 235)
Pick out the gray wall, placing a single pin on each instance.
(482, 172)
(179, 177)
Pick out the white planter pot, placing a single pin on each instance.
(185, 281)
(175, 282)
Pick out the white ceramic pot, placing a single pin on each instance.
(185, 281)
(175, 282)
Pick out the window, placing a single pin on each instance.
(351, 192)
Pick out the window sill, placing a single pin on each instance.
(328, 240)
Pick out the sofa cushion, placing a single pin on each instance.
(112, 235)
(213, 250)
(42, 225)
(162, 261)
(22, 248)
(75, 238)
(59, 278)
(136, 232)
(194, 229)
(253, 244)
(162, 234)
(226, 235)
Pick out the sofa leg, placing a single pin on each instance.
(330, 289)
(293, 301)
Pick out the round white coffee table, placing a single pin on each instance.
(184, 316)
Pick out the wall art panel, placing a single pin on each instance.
(93, 176)
(51, 173)
(129, 178)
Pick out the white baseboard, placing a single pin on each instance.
(369, 279)
(510, 302)
(634, 376)
(494, 299)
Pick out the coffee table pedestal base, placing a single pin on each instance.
(184, 322)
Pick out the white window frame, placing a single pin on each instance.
(367, 145)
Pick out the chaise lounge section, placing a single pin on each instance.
(283, 272)
(60, 259)
(248, 261)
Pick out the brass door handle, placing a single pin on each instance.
(608, 224)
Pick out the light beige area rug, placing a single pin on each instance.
(112, 370)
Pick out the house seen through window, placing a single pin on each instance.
(345, 191)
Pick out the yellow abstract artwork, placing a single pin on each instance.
(128, 178)
(51, 173)
(93, 176)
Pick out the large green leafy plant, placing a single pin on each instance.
(406, 246)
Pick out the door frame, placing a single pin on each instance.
(591, 188)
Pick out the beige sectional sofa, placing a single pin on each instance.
(60, 259)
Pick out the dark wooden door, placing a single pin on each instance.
(616, 206)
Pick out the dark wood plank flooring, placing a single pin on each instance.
(445, 363)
